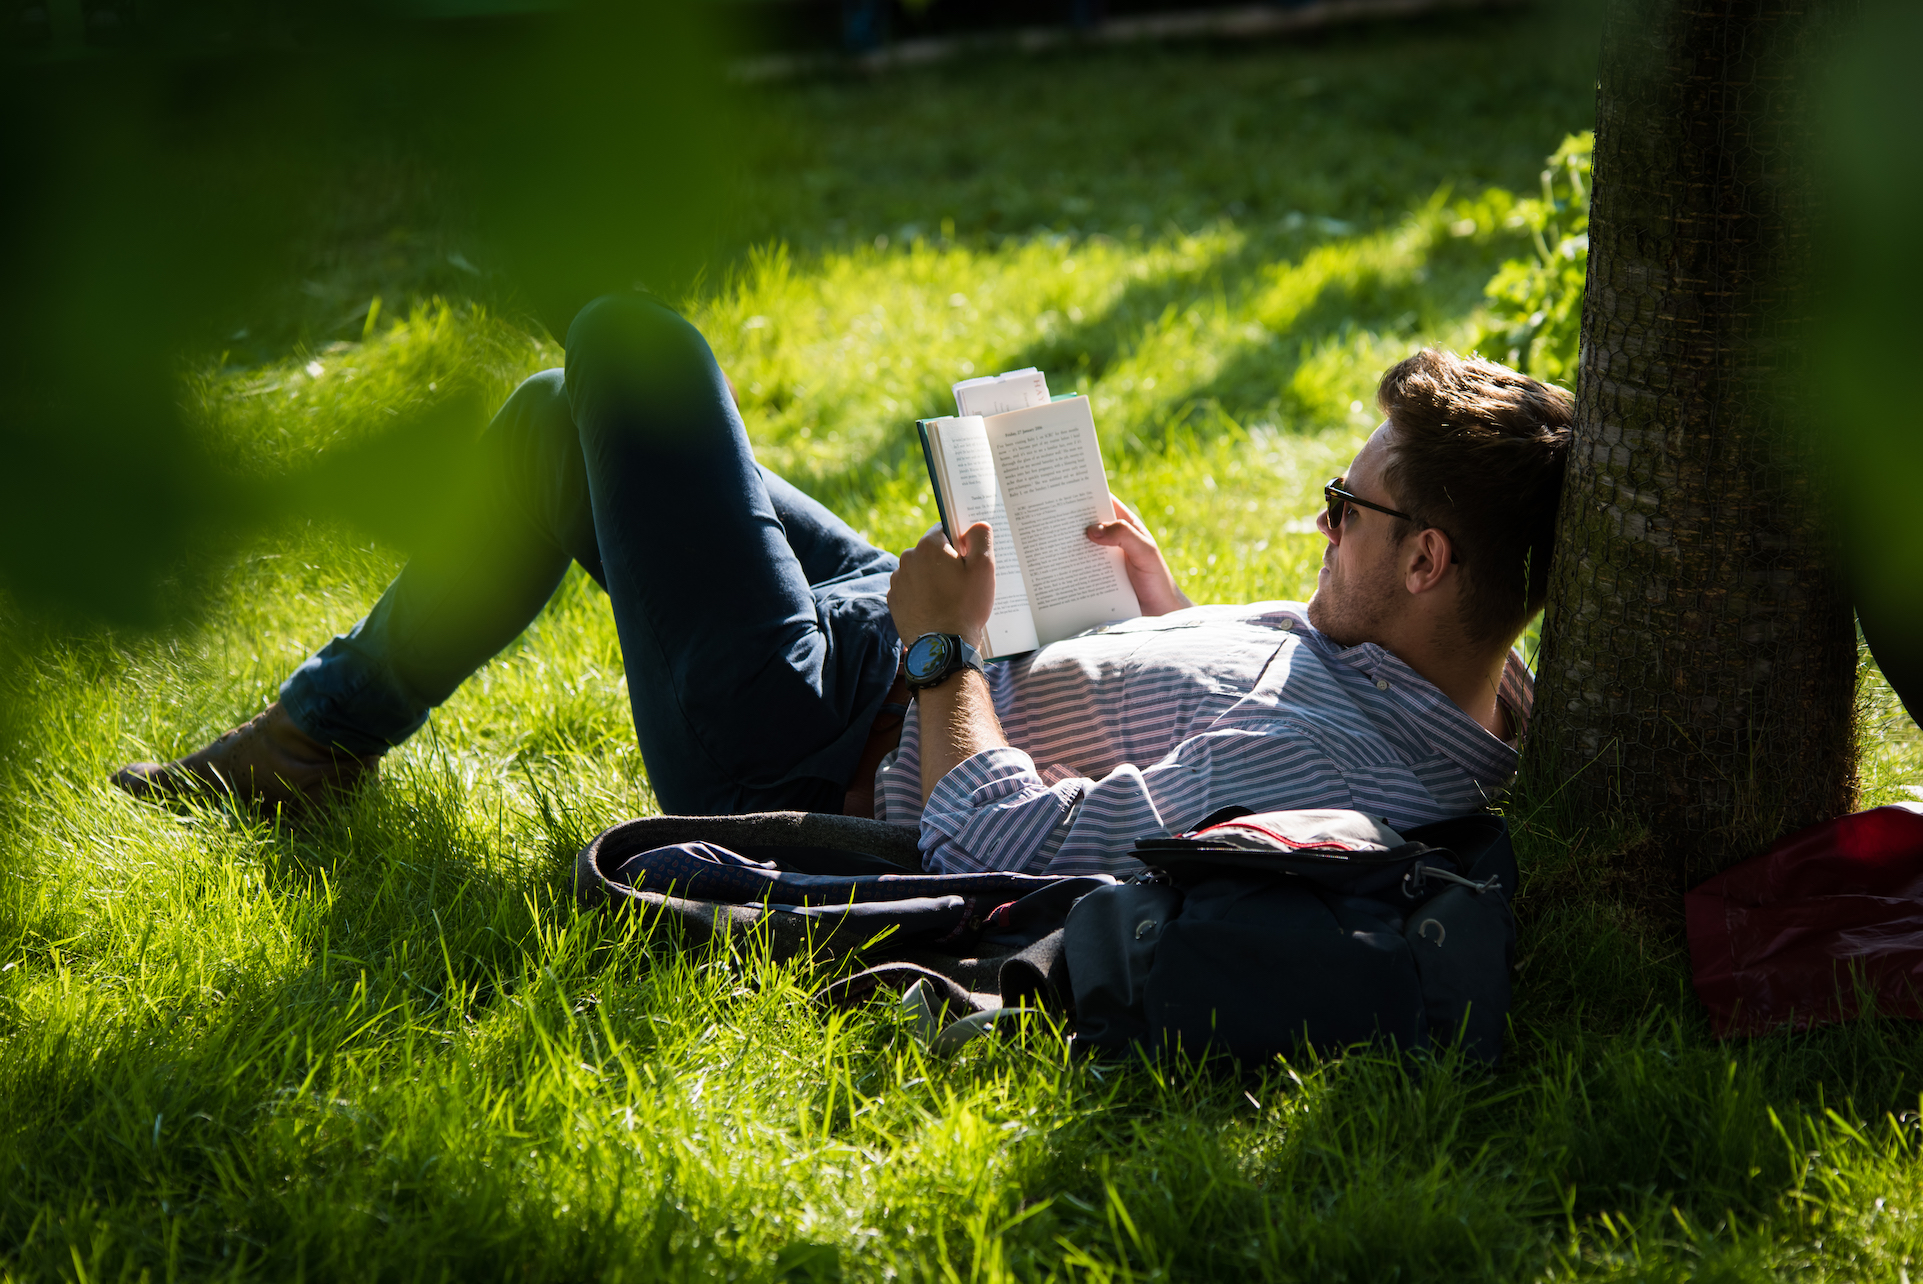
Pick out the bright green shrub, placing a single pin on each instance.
(1537, 314)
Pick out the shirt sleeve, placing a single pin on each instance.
(994, 812)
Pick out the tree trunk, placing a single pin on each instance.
(1698, 665)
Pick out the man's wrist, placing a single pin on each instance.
(950, 689)
(957, 721)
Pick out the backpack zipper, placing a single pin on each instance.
(1414, 882)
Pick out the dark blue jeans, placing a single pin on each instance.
(753, 622)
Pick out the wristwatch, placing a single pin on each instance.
(933, 656)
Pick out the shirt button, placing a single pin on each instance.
(1288, 622)
(1382, 684)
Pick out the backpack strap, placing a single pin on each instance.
(946, 998)
(1038, 976)
(792, 837)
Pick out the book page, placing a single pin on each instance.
(970, 494)
(1049, 466)
(998, 394)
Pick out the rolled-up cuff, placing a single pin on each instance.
(992, 812)
(346, 698)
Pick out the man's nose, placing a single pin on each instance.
(1332, 533)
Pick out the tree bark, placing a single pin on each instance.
(1698, 665)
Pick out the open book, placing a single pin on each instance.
(1031, 468)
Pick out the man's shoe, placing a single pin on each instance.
(268, 760)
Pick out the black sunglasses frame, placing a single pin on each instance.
(1335, 497)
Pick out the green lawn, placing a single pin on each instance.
(387, 1047)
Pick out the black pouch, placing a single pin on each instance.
(1260, 935)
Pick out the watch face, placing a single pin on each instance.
(928, 656)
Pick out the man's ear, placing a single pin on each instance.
(1426, 558)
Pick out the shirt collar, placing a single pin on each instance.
(1452, 733)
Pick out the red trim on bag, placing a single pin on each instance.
(1319, 844)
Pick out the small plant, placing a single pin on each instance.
(1536, 320)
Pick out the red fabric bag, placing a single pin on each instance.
(1797, 935)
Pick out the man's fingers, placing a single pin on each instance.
(1124, 513)
(1120, 535)
(977, 541)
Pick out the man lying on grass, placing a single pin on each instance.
(763, 638)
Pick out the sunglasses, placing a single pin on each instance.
(1339, 499)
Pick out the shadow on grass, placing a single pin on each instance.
(1603, 960)
(1435, 290)
(365, 1105)
(1369, 1165)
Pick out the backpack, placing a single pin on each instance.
(1287, 931)
(1251, 934)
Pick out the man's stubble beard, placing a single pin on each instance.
(1349, 614)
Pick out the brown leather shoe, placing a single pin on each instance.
(268, 760)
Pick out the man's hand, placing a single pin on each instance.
(942, 589)
(1148, 570)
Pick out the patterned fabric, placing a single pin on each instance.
(707, 872)
(1143, 728)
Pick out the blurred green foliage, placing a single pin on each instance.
(157, 192)
(1536, 312)
(1869, 274)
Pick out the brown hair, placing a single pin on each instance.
(1478, 453)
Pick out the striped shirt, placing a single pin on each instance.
(1146, 726)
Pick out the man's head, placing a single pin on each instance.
(1473, 453)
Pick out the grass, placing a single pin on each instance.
(387, 1046)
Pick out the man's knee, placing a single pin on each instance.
(632, 347)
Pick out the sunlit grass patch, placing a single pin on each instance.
(1889, 746)
(1179, 338)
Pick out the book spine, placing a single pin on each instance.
(934, 478)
